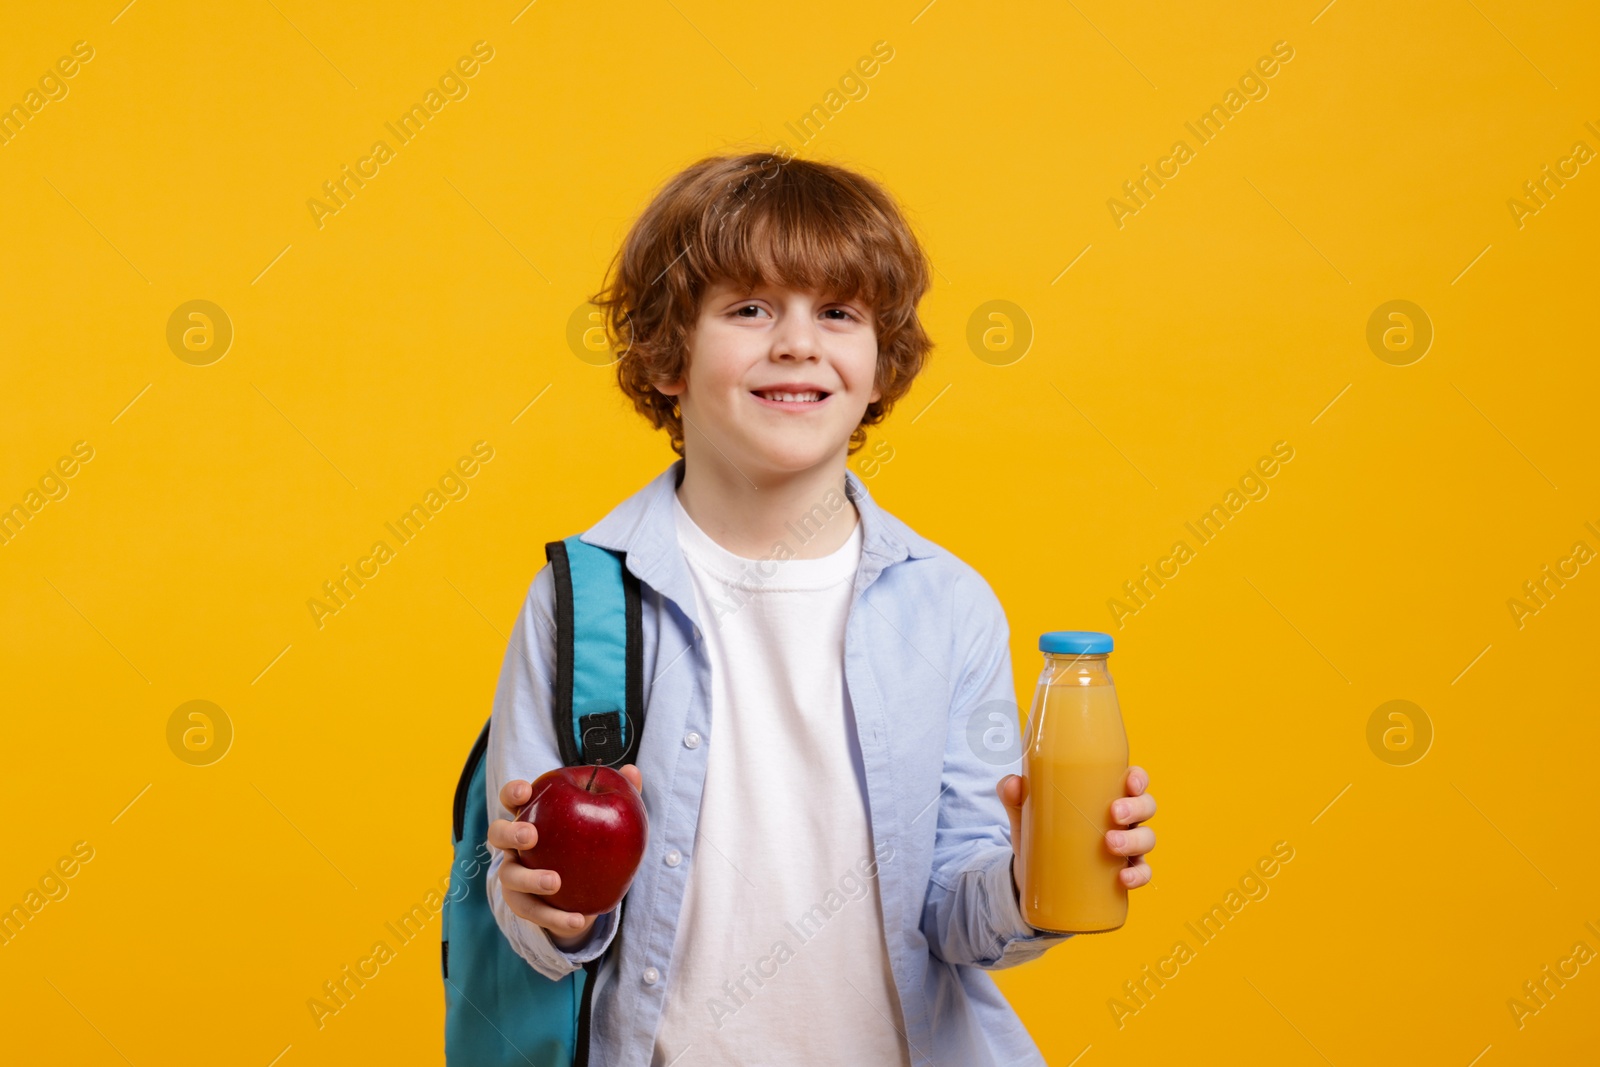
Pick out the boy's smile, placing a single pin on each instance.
(777, 378)
(791, 396)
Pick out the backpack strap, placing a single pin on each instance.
(599, 687)
(599, 684)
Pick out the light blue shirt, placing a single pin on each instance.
(927, 666)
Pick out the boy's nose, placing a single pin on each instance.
(796, 340)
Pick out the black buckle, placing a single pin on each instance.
(601, 734)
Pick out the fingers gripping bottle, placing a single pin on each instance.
(1075, 759)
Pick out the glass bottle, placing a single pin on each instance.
(1075, 760)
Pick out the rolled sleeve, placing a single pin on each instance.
(970, 914)
(983, 926)
(1016, 941)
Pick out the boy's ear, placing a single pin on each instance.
(672, 388)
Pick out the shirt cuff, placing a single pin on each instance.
(598, 939)
(533, 943)
(1006, 912)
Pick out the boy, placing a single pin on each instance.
(829, 871)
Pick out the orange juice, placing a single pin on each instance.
(1075, 762)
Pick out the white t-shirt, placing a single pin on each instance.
(780, 956)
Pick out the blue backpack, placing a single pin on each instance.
(499, 1011)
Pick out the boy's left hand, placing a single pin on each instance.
(1132, 809)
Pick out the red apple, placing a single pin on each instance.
(592, 829)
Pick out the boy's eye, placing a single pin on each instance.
(749, 307)
(840, 311)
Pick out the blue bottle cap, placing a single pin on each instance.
(1075, 642)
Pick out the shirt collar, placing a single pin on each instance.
(644, 528)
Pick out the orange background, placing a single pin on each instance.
(1165, 356)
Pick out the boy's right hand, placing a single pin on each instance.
(523, 887)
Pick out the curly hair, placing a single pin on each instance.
(752, 219)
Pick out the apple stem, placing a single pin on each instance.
(588, 786)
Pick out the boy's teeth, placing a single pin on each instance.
(791, 396)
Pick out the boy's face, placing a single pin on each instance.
(744, 347)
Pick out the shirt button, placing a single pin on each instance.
(691, 740)
(673, 857)
(651, 976)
